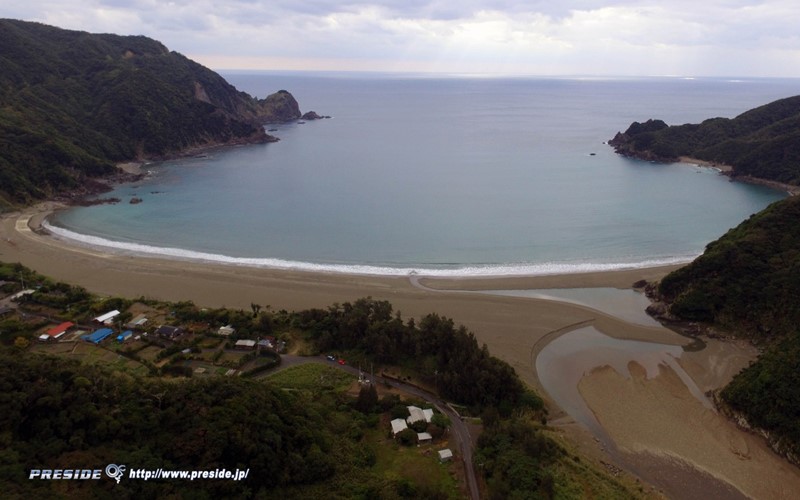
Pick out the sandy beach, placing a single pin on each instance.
(511, 327)
(642, 415)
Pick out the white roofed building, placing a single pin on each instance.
(107, 317)
(416, 414)
(398, 425)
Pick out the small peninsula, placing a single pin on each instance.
(761, 145)
(75, 104)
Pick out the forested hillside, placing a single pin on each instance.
(763, 143)
(72, 104)
(748, 282)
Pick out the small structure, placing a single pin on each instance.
(424, 437)
(21, 294)
(98, 335)
(245, 344)
(398, 425)
(137, 322)
(416, 414)
(122, 337)
(169, 332)
(264, 344)
(226, 331)
(107, 318)
(58, 331)
(445, 455)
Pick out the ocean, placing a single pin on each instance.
(446, 176)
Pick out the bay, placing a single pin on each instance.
(442, 176)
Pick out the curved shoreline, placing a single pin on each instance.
(515, 329)
(499, 321)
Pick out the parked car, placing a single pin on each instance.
(331, 357)
(342, 362)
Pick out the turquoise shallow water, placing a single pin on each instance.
(445, 176)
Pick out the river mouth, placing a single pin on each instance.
(563, 362)
(646, 405)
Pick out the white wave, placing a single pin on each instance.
(487, 270)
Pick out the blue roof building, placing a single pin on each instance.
(98, 335)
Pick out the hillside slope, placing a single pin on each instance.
(747, 282)
(763, 143)
(72, 104)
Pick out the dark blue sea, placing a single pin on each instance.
(444, 176)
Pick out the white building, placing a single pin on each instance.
(398, 425)
(416, 414)
(445, 455)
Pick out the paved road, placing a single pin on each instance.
(457, 427)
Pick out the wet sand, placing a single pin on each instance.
(658, 419)
(515, 329)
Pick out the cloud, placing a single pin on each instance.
(730, 37)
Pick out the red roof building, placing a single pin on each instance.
(58, 331)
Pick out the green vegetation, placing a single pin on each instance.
(444, 355)
(60, 413)
(762, 143)
(299, 430)
(768, 393)
(73, 104)
(311, 377)
(747, 282)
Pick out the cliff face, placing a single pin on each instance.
(74, 104)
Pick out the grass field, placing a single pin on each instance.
(311, 376)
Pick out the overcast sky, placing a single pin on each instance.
(530, 37)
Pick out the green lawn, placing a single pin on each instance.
(311, 376)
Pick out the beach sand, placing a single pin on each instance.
(658, 419)
(511, 327)
(514, 329)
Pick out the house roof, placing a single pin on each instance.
(60, 329)
(137, 321)
(107, 316)
(98, 335)
(424, 436)
(168, 330)
(246, 343)
(416, 414)
(398, 425)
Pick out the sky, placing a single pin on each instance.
(688, 38)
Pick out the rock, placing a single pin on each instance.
(135, 200)
(312, 115)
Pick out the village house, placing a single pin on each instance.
(138, 322)
(245, 344)
(56, 332)
(107, 318)
(398, 425)
(169, 332)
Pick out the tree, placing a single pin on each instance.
(367, 399)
